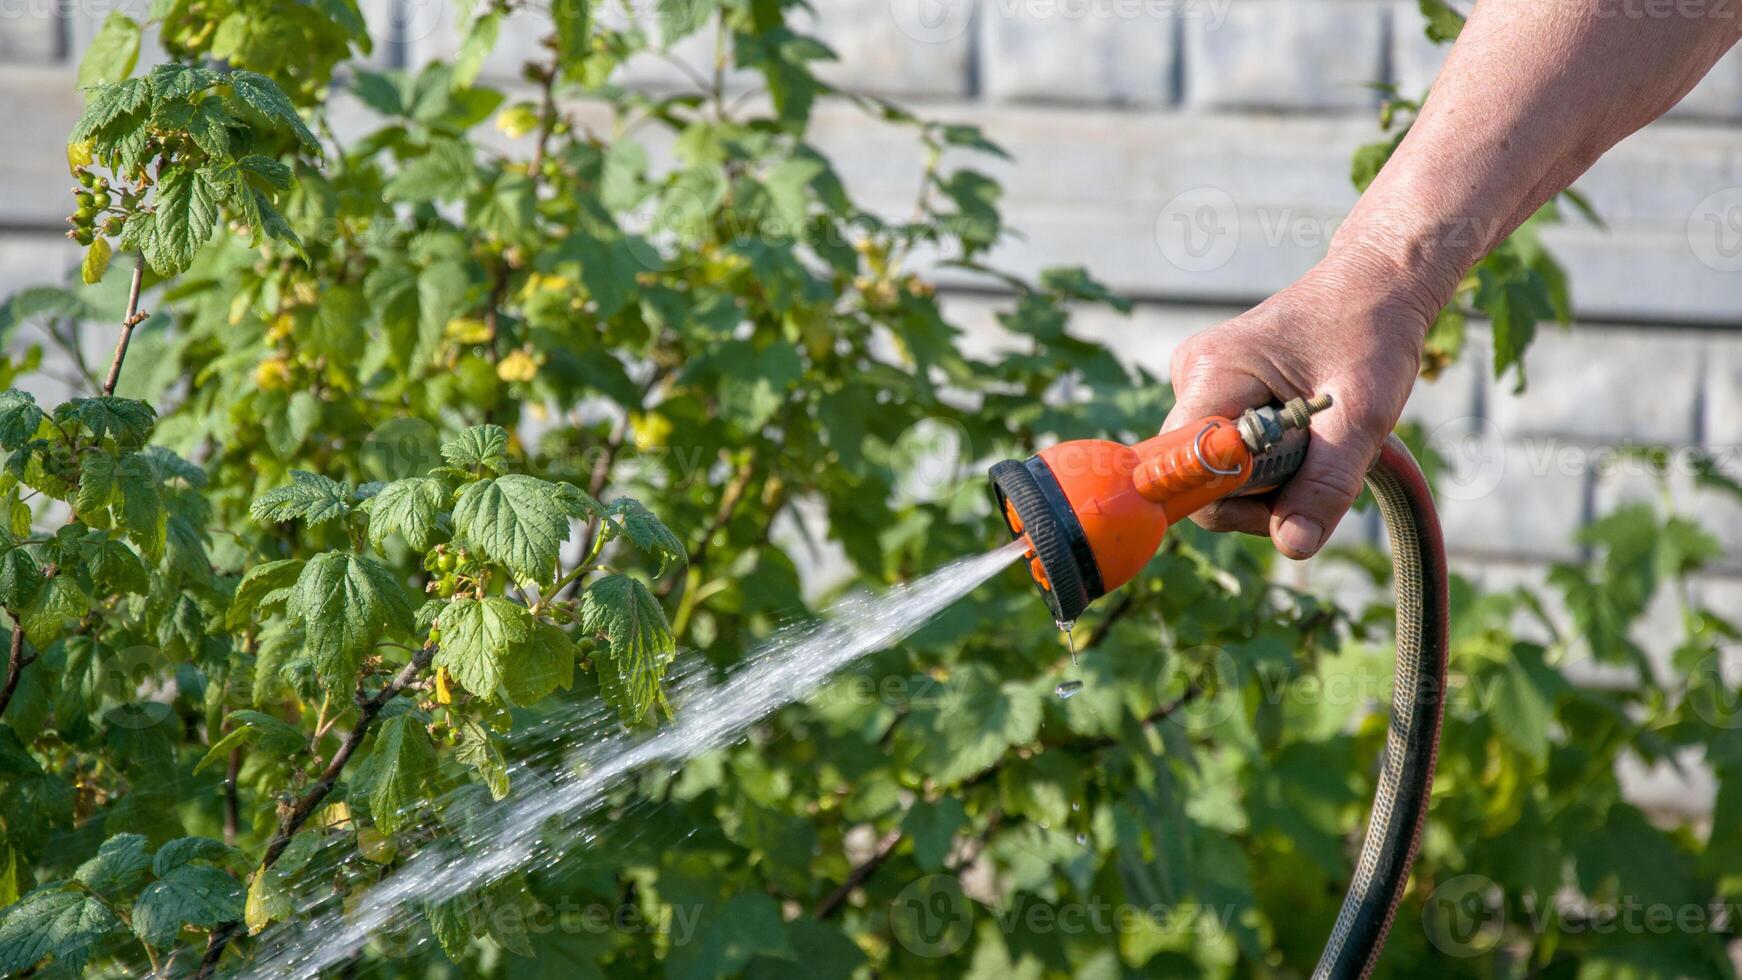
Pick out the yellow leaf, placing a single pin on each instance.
(79, 154)
(517, 120)
(267, 901)
(467, 330)
(517, 366)
(444, 693)
(96, 260)
(376, 846)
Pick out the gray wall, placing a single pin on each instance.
(1123, 116)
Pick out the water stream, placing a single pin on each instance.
(538, 821)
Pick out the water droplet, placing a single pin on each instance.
(1082, 838)
(1070, 640)
(1067, 689)
(1075, 806)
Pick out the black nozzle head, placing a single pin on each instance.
(1029, 490)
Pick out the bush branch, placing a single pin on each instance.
(16, 661)
(310, 801)
(133, 318)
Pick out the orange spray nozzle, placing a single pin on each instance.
(1094, 511)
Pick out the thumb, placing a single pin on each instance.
(1315, 499)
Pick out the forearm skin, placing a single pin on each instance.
(1532, 93)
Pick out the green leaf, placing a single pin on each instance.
(622, 611)
(128, 420)
(176, 81)
(187, 211)
(209, 126)
(574, 37)
(476, 750)
(275, 736)
(19, 418)
(518, 521)
(540, 666)
(309, 496)
(445, 173)
(189, 895)
(679, 19)
(107, 104)
(1515, 299)
(481, 447)
(477, 638)
(96, 261)
(120, 864)
(122, 491)
(412, 507)
(1443, 23)
(112, 53)
(60, 601)
(264, 96)
(971, 726)
(52, 921)
(20, 579)
(632, 519)
(185, 850)
(402, 760)
(480, 39)
(346, 603)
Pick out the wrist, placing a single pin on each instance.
(1385, 289)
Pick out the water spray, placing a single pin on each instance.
(1091, 513)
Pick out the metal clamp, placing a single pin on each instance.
(1198, 448)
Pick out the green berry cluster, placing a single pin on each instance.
(93, 201)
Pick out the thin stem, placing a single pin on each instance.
(131, 320)
(311, 801)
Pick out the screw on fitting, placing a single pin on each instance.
(1298, 413)
(1262, 428)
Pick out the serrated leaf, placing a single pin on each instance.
(108, 103)
(971, 726)
(186, 212)
(190, 895)
(476, 750)
(403, 758)
(477, 638)
(128, 420)
(679, 19)
(622, 611)
(633, 520)
(19, 418)
(346, 604)
(185, 850)
(52, 921)
(1444, 24)
(518, 521)
(264, 96)
(112, 53)
(176, 81)
(120, 864)
(479, 447)
(20, 579)
(122, 491)
(309, 496)
(540, 666)
(411, 507)
(61, 600)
